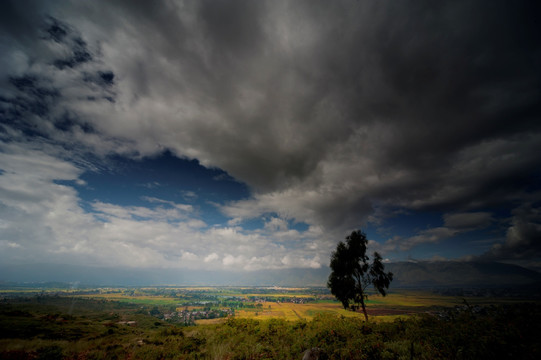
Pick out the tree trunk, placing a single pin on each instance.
(364, 310)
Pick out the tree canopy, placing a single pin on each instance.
(352, 272)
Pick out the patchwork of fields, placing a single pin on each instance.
(289, 304)
(302, 305)
(286, 304)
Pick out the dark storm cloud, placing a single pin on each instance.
(440, 79)
(325, 109)
(468, 220)
(55, 70)
(523, 240)
(78, 52)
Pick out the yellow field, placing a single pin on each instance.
(293, 312)
(393, 306)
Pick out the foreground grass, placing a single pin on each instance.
(68, 328)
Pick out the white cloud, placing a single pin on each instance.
(134, 212)
(183, 207)
(188, 256)
(274, 224)
(293, 261)
(43, 221)
(9, 244)
(230, 260)
(189, 195)
(211, 257)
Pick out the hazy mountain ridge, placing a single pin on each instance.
(460, 274)
(406, 274)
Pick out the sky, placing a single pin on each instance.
(254, 135)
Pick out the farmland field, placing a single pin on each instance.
(288, 303)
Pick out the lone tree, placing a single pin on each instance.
(352, 273)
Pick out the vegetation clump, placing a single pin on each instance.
(352, 273)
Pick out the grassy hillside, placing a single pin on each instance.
(75, 327)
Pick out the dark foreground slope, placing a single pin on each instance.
(59, 328)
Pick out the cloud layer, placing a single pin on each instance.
(333, 113)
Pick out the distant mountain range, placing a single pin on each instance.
(421, 274)
(460, 274)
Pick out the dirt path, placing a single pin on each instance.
(297, 314)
